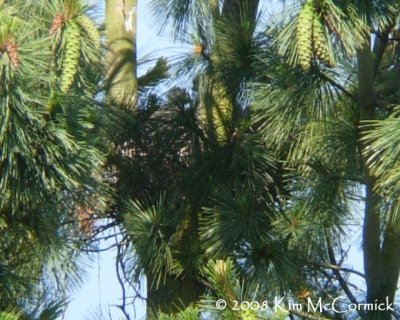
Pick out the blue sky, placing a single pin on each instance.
(100, 291)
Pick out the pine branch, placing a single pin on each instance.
(337, 85)
(337, 268)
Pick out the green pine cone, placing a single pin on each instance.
(90, 28)
(304, 34)
(72, 46)
(319, 42)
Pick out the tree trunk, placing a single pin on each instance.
(121, 51)
(218, 109)
(173, 293)
(216, 115)
(381, 262)
(391, 258)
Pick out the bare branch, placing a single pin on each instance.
(339, 277)
(337, 267)
(118, 260)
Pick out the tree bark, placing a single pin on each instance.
(238, 9)
(391, 258)
(121, 58)
(218, 109)
(381, 262)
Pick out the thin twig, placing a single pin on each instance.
(122, 307)
(342, 282)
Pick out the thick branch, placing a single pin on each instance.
(380, 47)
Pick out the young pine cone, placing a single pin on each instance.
(57, 22)
(11, 49)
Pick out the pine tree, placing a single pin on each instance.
(50, 161)
(331, 117)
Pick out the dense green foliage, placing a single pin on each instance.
(50, 161)
(239, 182)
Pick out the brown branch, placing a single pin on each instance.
(118, 262)
(383, 41)
(336, 267)
(342, 282)
(337, 85)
